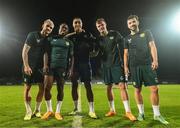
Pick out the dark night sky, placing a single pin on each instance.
(18, 17)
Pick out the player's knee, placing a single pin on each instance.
(87, 85)
(154, 89)
(138, 91)
(109, 87)
(27, 88)
(41, 88)
(74, 85)
(41, 92)
(122, 86)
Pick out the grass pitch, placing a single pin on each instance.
(12, 108)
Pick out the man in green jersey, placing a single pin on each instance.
(32, 55)
(141, 51)
(61, 50)
(111, 47)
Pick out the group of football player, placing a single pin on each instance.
(54, 58)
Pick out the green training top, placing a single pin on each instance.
(138, 48)
(61, 52)
(111, 48)
(37, 43)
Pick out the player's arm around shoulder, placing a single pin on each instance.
(70, 34)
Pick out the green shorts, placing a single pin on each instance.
(143, 74)
(82, 71)
(113, 75)
(57, 72)
(36, 76)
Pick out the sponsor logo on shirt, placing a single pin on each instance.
(54, 39)
(129, 40)
(142, 35)
(25, 79)
(63, 74)
(121, 78)
(67, 43)
(111, 37)
(156, 80)
(38, 40)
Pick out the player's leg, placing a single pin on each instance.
(74, 92)
(39, 98)
(150, 79)
(48, 82)
(117, 76)
(85, 74)
(154, 96)
(27, 96)
(136, 76)
(110, 96)
(155, 104)
(90, 98)
(27, 101)
(139, 102)
(125, 99)
(39, 79)
(60, 96)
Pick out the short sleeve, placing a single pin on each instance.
(126, 46)
(149, 36)
(30, 39)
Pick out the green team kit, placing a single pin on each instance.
(37, 45)
(140, 59)
(60, 50)
(111, 50)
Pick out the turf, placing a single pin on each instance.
(12, 108)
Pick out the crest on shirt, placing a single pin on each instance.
(54, 39)
(121, 78)
(129, 40)
(156, 79)
(67, 43)
(25, 79)
(142, 35)
(63, 74)
(38, 40)
(111, 37)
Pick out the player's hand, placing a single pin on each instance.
(126, 70)
(93, 53)
(28, 70)
(70, 73)
(45, 69)
(154, 65)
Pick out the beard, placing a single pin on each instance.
(133, 28)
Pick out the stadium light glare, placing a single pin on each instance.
(176, 22)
